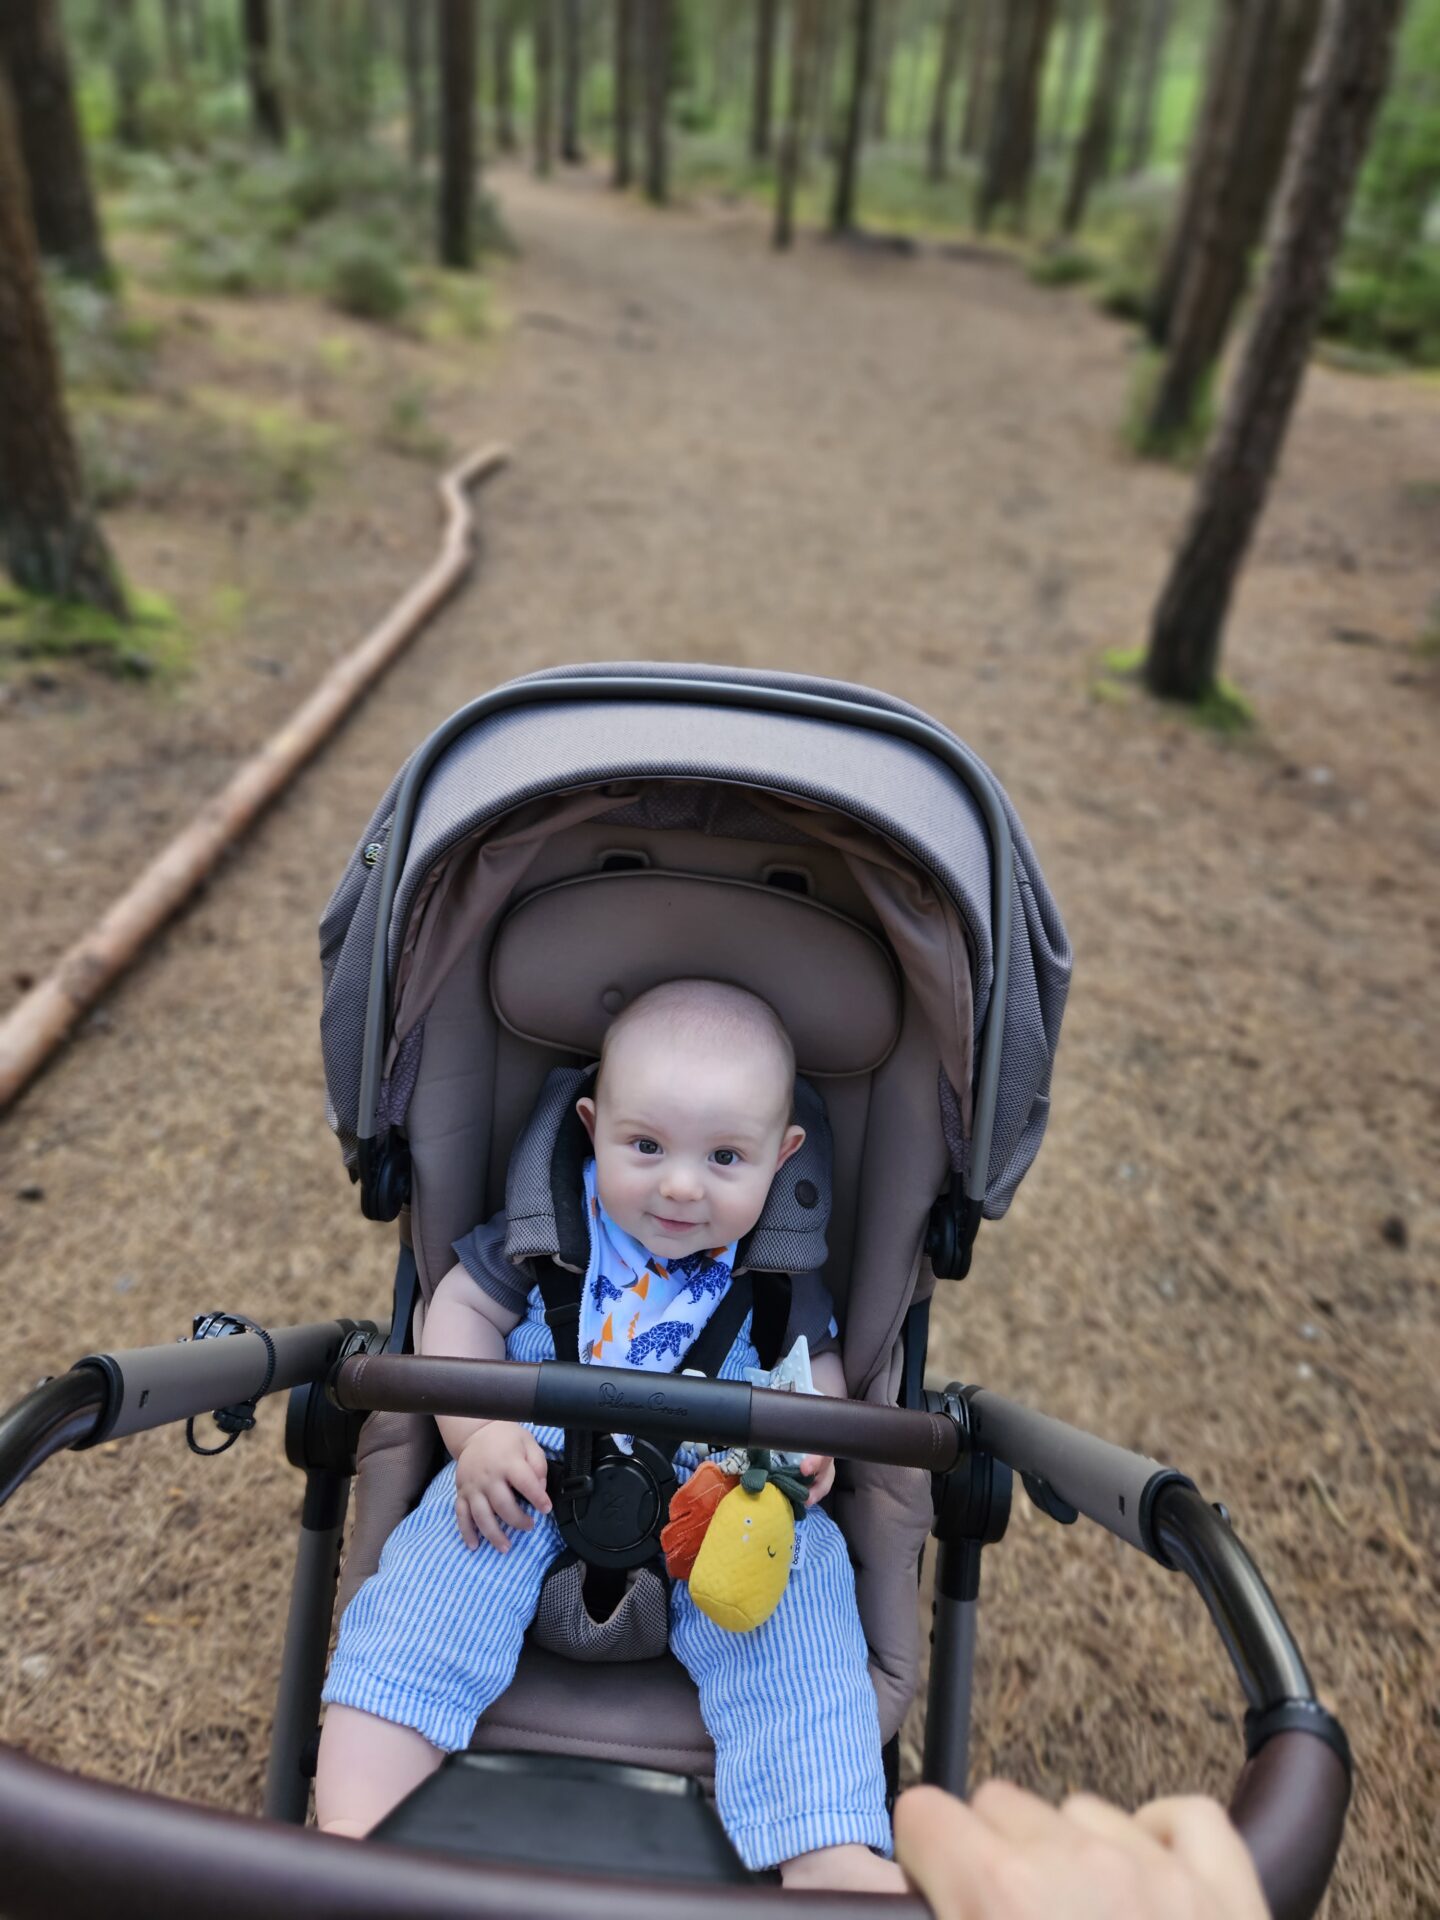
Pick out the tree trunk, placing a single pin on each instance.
(49, 543)
(950, 36)
(503, 64)
(1092, 152)
(1233, 217)
(1010, 154)
(1351, 69)
(1210, 123)
(979, 87)
(544, 55)
(267, 115)
(887, 34)
(571, 72)
(1147, 84)
(127, 67)
(792, 145)
(175, 60)
(847, 165)
(767, 14)
(62, 204)
(455, 51)
(417, 106)
(1073, 28)
(655, 18)
(624, 70)
(822, 129)
(199, 31)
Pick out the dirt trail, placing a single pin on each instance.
(904, 473)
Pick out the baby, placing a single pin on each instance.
(690, 1121)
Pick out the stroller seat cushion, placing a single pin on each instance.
(568, 958)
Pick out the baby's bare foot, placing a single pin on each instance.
(848, 1869)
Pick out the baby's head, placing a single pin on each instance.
(690, 1117)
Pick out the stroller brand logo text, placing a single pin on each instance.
(612, 1396)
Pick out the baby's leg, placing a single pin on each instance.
(799, 1780)
(426, 1645)
(367, 1766)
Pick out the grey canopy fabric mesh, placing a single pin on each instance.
(894, 787)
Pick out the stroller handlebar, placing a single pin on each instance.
(70, 1843)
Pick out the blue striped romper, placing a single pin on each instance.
(434, 1635)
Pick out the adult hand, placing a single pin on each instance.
(497, 1468)
(1011, 1856)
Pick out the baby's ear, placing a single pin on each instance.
(793, 1141)
(585, 1107)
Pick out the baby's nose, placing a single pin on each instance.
(681, 1181)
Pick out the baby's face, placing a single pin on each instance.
(687, 1142)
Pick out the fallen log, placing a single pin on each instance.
(38, 1023)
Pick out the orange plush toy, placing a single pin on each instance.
(691, 1510)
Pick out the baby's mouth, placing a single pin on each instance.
(675, 1226)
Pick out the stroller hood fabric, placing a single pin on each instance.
(818, 774)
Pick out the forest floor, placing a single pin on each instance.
(906, 472)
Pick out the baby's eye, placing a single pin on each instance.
(725, 1157)
(646, 1146)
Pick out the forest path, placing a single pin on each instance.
(907, 473)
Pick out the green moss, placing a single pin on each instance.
(285, 448)
(1063, 266)
(455, 306)
(1224, 709)
(150, 645)
(1183, 446)
(407, 427)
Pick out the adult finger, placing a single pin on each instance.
(1199, 1832)
(949, 1854)
(1009, 1810)
(1110, 1823)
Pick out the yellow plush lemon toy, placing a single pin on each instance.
(743, 1564)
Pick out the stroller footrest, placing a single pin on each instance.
(592, 1816)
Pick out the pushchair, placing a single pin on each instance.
(847, 858)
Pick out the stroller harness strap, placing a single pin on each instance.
(610, 1505)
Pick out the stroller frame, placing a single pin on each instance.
(69, 1843)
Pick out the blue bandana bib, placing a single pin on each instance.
(638, 1310)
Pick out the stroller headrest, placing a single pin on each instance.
(546, 1217)
(568, 958)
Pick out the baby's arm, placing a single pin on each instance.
(827, 1376)
(497, 1463)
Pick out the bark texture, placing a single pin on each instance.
(455, 46)
(767, 15)
(62, 203)
(1210, 121)
(951, 33)
(267, 111)
(127, 70)
(1092, 151)
(1274, 47)
(1010, 149)
(1347, 84)
(847, 163)
(975, 128)
(572, 67)
(624, 70)
(655, 15)
(544, 50)
(503, 71)
(803, 25)
(49, 541)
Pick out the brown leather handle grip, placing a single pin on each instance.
(1289, 1805)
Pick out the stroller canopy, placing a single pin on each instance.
(805, 760)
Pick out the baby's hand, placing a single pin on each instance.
(498, 1467)
(820, 1469)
